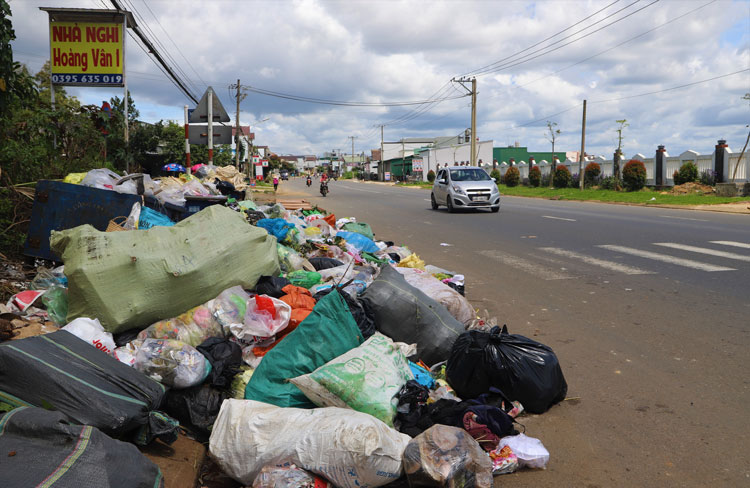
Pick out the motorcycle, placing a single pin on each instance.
(309, 181)
(323, 188)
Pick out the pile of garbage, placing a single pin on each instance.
(208, 180)
(300, 347)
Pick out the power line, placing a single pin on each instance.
(526, 60)
(324, 101)
(159, 57)
(542, 41)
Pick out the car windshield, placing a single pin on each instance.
(469, 174)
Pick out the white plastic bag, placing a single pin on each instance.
(91, 331)
(259, 323)
(350, 449)
(530, 450)
(457, 305)
(102, 178)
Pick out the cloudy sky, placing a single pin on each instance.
(534, 62)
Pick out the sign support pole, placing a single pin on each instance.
(210, 127)
(125, 83)
(187, 141)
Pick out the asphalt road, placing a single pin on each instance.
(647, 309)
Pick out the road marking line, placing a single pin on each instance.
(359, 189)
(732, 243)
(682, 218)
(558, 218)
(703, 250)
(666, 258)
(610, 265)
(524, 265)
(427, 200)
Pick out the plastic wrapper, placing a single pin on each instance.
(264, 317)
(91, 331)
(276, 227)
(172, 363)
(448, 457)
(364, 379)
(151, 218)
(411, 261)
(102, 178)
(192, 327)
(55, 300)
(305, 279)
(74, 178)
(456, 304)
(530, 451)
(290, 260)
(47, 278)
(287, 477)
(126, 353)
(359, 241)
(504, 460)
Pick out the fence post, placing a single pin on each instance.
(719, 158)
(659, 168)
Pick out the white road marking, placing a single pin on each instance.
(682, 218)
(427, 200)
(610, 265)
(666, 258)
(703, 250)
(524, 265)
(557, 218)
(743, 245)
(358, 189)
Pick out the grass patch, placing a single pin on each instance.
(646, 196)
(418, 184)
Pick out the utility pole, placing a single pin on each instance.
(187, 141)
(240, 97)
(473, 93)
(210, 126)
(583, 146)
(381, 172)
(352, 138)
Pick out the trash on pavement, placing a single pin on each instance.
(349, 448)
(359, 228)
(411, 261)
(447, 456)
(55, 300)
(192, 327)
(530, 451)
(364, 379)
(405, 314)
(40, 447)
(328, 332)
(287, 477)
(523, 369)
(172, 362)
(456, 304)
(196, 407)
(91, 331)
(504, 461)
(61, 372)
(133, 279)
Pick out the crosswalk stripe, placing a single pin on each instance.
(743, 245)
(689, 263)
(524, 265)
(703, 250)
(610, 265)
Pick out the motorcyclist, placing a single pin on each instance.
(323, 180)
(309, 180)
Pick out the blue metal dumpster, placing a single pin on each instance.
(59, 206)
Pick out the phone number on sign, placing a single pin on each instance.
(77, 78)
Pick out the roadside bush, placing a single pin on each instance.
(348, 175)
(562, 177)
(431, 176)
(708, 177)
(495, 173)
(512, 176)
(610, 183)
(535, 176)
(575, 181)
(634, 175)
(687, 173)
(591, 174)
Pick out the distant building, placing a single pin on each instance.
(519, 153)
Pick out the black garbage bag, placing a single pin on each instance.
(39, 447)
(324, 263)
(126, 336)
(523, 369)
(224, 187)
(271, 286)
(59, 371)
(362, 314)
(405, 314)
(225, 357)
(196, 407)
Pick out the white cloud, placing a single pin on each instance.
(380, 51)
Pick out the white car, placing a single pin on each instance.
(465, 187)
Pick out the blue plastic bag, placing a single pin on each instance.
(151, 218)
(276, 227)
(422, 376)
(359, 241)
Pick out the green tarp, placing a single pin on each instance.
(132, 279)
(327, 333)
(360, 228)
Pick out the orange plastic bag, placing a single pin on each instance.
(331, 220)
(297, 297)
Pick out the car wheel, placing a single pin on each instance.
(449, 204)
(496, 209)
(433, 202)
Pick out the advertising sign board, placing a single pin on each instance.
(87, 53)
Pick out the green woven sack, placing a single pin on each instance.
(360, 228)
